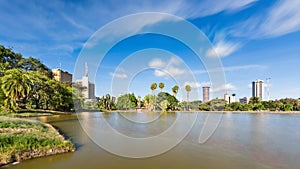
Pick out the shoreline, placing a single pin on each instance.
(25, 139)
(226, 112)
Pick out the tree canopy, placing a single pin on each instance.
(26, 83)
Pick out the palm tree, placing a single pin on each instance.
(16, 85)
(188, 89)
(107, 102)
(175, 90)
(161, 85)
(153, 88)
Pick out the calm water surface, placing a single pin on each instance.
(242, 141)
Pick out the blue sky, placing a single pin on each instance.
(254, 39)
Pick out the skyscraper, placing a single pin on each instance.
(89, 87)
(205, 94)
(258, 89)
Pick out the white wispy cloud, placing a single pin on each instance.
(157, 62)
(224, 87)
(222, 48)
(280, 19)
(283, 18)
(171, 67)
(118, 75)
(197, 84)
(195, 8)
(231, 69)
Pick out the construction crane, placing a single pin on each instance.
(268, 87)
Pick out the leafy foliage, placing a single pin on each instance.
(171, 104)
(126, 101)
(26, 83)
(255, 104)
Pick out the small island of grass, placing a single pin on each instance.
(22, 139)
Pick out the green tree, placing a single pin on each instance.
(172, 101)
(175, 90)
(254, 100)
(148, 101)
(13, 60)
(153, 88)
(164, 105)
(235, 106)
(126, 101)
(16, 86)
(161, 85)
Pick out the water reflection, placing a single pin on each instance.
(247, 141)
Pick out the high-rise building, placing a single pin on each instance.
(205, 94)
(258, 89)
(227, 98)
(89, 87)
(61, 76)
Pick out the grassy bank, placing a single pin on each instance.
(33, 113)
(22, 139)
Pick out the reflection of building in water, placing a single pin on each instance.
(61, 76)
(88, 87)
(205, 94)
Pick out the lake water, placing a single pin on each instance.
(241, 141)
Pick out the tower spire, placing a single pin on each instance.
(86, 69)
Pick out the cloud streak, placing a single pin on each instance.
(222, 49)
(282, 18)
(165, 69)
(231, 69)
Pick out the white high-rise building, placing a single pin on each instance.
(258, 89)
(89, 87)
(227, 98)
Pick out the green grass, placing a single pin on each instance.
(22, 135)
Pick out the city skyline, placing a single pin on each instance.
(255, 40)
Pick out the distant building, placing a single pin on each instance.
(227, 98)
(232, 98)
(61, 76)
(258, 89)
(205, 94)
(113, 99)
(244, 100)
(89, 87)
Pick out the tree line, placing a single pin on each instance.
(163, 101)
(255, 104)
(26, 83)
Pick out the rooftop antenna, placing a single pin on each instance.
(268, 87)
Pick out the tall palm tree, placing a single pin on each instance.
(153, 88)
(188, 90)
(175, 90)
(161, 85)
(16, 85)
(107, 102)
